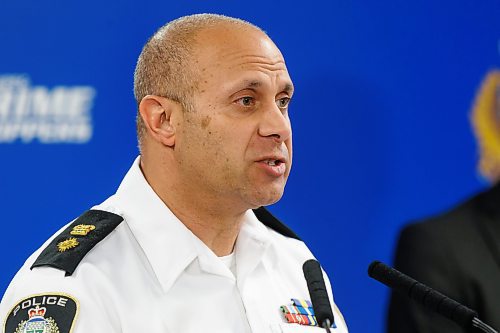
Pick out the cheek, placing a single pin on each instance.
(205, 121)
(227, 136)
(216, 141)
(289, 146)
(213, 149)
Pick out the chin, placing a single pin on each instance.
(267, 198)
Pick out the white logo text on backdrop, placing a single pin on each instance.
(61, 114)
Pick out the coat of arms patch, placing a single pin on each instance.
(47, 313)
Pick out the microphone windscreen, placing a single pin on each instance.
(422, 294)
(317, 291)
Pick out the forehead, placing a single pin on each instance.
(239, 52)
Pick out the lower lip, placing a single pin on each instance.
(274, 170)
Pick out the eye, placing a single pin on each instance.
(282, 103)
(246, 101)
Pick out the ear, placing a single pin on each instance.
(156, 113)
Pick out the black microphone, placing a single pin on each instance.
(427, 296)
(319, 295)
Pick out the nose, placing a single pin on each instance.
(275, 124)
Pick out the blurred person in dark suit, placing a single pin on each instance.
(458, 252)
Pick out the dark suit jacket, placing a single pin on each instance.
(458, 254)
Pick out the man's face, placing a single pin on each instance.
(237, 143)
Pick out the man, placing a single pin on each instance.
(178, 248)
(458, 252)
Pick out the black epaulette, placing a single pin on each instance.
(265, 216)
(68, 248)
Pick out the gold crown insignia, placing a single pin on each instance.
(82, 229)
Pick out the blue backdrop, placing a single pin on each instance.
(380, 118)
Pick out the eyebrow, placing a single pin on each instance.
(288, 87)
(253, 84)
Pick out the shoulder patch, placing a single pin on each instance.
(68, 248)
(268, 219)
(43, 313)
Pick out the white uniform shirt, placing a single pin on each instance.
(152, 274)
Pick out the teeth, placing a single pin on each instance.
(271, 162)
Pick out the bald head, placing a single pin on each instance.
(166, 64)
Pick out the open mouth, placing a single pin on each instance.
(274, 166)
(273, 162)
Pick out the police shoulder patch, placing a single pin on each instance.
(43, 313)
(68, 248)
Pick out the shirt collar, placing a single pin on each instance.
(254, 241)
(158, 232)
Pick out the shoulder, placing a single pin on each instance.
(293, 251)
(292, 254)
(456, 222)
(69, 247)
(283, 235)
(61, 254)
(270, 221)
(448, 244)
(46, 286)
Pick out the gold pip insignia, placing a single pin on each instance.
(67, 244)
(82, 229)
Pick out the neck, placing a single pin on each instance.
(215, 222)
(217, 231)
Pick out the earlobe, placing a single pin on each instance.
(156, 113)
